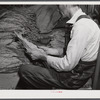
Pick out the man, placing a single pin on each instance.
(72, 70)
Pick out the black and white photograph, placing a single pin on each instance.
(51, 47)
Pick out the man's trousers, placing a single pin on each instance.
(42, 76)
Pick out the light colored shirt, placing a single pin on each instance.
(84, 44)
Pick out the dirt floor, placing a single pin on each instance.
(8, 81)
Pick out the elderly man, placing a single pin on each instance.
(72, 70)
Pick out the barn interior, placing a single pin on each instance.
(40, 24)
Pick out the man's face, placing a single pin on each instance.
(65, 10)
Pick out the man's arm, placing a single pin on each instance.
(74, 51)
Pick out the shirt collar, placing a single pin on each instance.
(75, 16)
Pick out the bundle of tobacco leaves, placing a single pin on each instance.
(11, 54)
(27, 21)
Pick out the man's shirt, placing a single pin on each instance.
(84, 44)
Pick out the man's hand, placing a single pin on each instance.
(52, 51)
(25, 42)
(36, 54)
(31, 48)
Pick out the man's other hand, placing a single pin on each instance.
(37, 54)
(52, 51)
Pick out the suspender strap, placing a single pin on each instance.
(83, 16)
(67, 36)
